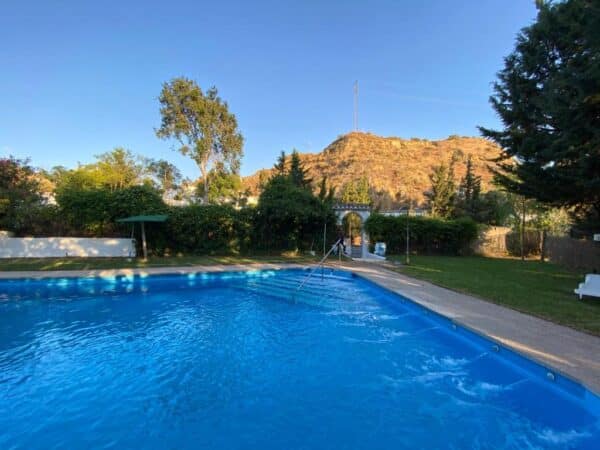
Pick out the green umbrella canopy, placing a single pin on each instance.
(157, 218)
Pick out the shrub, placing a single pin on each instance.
(20, 194)
(45, 220)
(93, 212)
(210, 229)
(290, 217)
(427, 235)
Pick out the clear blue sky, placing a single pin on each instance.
(81, 77)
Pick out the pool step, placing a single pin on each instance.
(291, 284)
(287, 289)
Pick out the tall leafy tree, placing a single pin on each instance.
(167, 175)
(19, 193)
(119, 168)
(443, 190)
(548, 98)
(224, 186)
(202, 124)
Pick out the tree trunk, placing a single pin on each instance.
(543, 246)
(522, 237)
(205, 181)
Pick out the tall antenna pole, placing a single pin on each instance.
(356, 106)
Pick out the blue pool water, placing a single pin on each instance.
(231, 361)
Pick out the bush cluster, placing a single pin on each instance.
(427, 235)
(287, 218)
(211, 229)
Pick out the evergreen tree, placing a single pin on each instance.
(443, 190)
(297, 172)
(357, 191)
(326, 195)
(280, 166)
(290, 216)
(548, 98)
(468, 201)
(323, 189)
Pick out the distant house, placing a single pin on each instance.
(404, 211)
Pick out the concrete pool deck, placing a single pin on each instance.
(566, 350)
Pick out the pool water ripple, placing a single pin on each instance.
(236, 361)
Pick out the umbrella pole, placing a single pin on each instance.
(144, 248)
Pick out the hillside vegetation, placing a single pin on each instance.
(391, 164)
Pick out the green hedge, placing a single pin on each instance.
(93, 212)
(427, 235)
(210, 229)
(287, 218)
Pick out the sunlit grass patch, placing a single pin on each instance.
(541, 289)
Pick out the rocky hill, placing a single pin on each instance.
(391, 164)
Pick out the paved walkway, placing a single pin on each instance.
(570, 352)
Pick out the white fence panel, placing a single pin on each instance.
(56, 247)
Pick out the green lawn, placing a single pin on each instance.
(541, 289)
(123, 263)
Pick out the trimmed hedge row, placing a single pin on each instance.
(427, 235)
(211, 229)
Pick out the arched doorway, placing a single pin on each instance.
(353, 227)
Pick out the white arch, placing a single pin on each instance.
(364, 215)
(363, 211)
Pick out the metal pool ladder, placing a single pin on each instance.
(319, 264)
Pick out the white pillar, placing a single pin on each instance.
(364, 243)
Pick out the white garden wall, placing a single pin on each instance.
(56, 247)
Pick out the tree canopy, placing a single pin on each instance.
(223, 186)
(548, 98)
(202, 124)
(356, 191)
(289, 215)
(298, 174)
(443, 190)
(167, 175)
(19, 193)
(468, 200)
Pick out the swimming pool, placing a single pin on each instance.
(233, 360)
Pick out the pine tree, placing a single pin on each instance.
(297, 171)
(323, 189)
(469, 191)
(280, 165)
(443, 190)
(548, 98)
